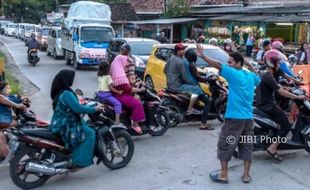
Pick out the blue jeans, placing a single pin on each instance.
(192, 89)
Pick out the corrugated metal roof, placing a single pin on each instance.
(164, 21)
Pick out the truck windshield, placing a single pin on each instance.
(96, 34)
(28, 28)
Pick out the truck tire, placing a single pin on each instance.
(67, 60)
(76, 65)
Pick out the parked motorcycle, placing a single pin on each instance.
(157, 119)
(33, 57)
(41, 154)
(265, 128)
(177, 103)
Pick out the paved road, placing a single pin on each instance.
(180, 160)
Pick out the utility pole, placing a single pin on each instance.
(2, 14)
(57, 6)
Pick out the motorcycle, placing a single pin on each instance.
(33, 57)
(177, 103)
(157, 119)
(265, 128)
(41, 154)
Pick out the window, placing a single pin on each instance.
(164, 53)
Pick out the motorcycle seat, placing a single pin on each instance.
(41, 132)
(259, 112)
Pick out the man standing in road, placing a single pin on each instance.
(239, 113)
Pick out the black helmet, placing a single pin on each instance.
(191, 55)
(126, 47)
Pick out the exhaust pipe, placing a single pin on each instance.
(45, 170)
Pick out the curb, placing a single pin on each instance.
(28, 87)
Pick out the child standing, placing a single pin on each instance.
(105, 87)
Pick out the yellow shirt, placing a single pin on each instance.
(104, 82)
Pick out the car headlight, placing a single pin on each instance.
(139, 62)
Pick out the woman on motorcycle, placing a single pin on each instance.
(119, 66)
(193, 75)
(67, 122)
(6, 119)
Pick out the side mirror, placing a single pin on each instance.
(75, 37)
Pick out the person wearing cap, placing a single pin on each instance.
(239, 113)
(261, 53)
(177, 79)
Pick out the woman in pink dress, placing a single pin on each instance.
(120, 82)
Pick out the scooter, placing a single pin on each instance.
(177, 102)
(265, 128)
(33, 57)
(157, 119)
(40, 154)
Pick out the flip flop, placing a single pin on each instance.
(137, 130)
(248, 180)
(215, 178)
(206, 128)
(275, 156)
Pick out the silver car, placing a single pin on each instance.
(54, 43)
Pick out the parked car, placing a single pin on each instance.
(54, 43)
(10, 29)
(140, 50)
(42, 38)
(154, 76)
(19, 29)
(3, 24)
(26, 33)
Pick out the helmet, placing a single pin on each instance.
(272, 58)
(277, 45)
(126, 47)
(292, 59)
(227, 41)
(186, 40)
(213, 41)
(191, 55)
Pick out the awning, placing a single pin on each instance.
(164, 21)
(288, 18)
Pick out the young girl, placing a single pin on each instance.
(105, 87)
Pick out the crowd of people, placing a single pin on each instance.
(117, 84)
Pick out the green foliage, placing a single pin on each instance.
(33, 10)
(177, 8)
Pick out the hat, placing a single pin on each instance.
(126, 47)
(179, 46)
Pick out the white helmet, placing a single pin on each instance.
(227, 41)
(213, 41)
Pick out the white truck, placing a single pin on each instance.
(86, 33)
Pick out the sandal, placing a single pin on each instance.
(215, 178)
(137, 130)
(206, 128)
(246, 180)
(275, 155)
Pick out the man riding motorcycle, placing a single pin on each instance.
(32, 43)
(178, 81)
(265, 98)
(193, 75)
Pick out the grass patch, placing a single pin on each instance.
(14, 83)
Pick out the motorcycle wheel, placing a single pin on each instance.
(160, 123)
(109, 154)
(17, 169)
(173, 111)
(307, 143)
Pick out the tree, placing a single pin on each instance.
(177, 8)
